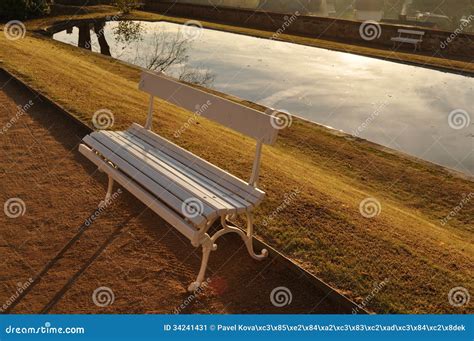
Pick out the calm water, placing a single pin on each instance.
(403, 107)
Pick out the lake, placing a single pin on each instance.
(419, 111)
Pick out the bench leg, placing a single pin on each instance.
(207, 246)
(108, 195)
(246, 237)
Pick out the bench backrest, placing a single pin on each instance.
(420, 33)
(253, 123)
(245, 120)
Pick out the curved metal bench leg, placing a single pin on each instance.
(246, 237)
(207, 246)
(108, 195)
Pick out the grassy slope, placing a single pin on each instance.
(321, 228)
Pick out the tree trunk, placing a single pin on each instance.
(100, 33)
(84, 36)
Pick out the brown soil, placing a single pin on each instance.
(145, 262)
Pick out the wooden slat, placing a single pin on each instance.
(168, 181)
(214, 173)
(162, 210)
(150, 184)
(187, 168)
(234, 200)
(245, 120)
(172, 173)
(406, 40)
(421, 33)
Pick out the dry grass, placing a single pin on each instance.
(322, 228)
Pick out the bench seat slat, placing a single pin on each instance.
(150, 184)
(169, 181)
(406, 40)
(143, 195)
(214, 173)
(235, 200)
(420, 33)
(200, 191)
(193, 169)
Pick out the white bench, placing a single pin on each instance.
(188, 192)
(413, 37)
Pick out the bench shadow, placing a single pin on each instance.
(243, 285)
